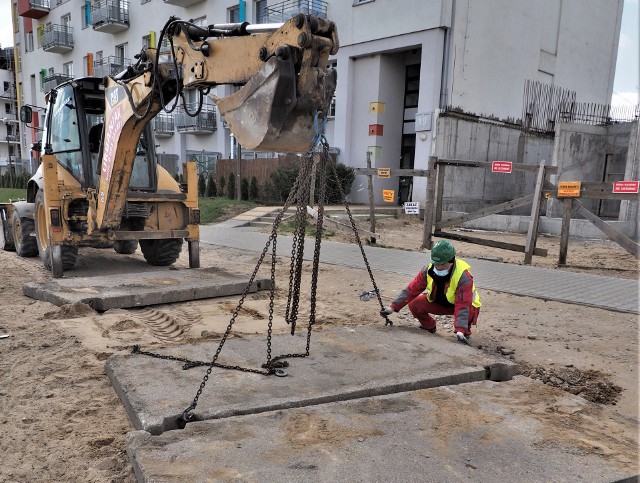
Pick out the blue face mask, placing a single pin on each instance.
(441, 273)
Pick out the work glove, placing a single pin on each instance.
(460, 337)
(386, 311)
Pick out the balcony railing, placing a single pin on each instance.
(203, 123)
(110, 66)
(54, 80)
(283, 11)
(164, 125)
(57, 39)
(110, 16)
(33, 8)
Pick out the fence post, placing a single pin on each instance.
(429, 203)
(532, 234)
(564, 233)
(372, 214)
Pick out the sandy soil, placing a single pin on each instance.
(62, 421)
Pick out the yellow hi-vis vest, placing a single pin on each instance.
(459, 267)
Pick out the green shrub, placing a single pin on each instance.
(202, 185)
(244, 189)
(212, 189)
(253, 189)
(223, 183)
(279, 184)
(346, 175)
(231, 186)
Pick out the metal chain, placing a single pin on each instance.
(358, 241)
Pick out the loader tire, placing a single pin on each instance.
(161, 252)
(69, 252)
(125, 247)
(23, 240)
(6, 240)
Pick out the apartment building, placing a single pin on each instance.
(10, 154)
(400, 63)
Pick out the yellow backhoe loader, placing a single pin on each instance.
(99, 182)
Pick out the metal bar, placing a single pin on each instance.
(150, 235)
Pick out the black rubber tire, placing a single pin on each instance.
(25, 244)
(6, 240)
(125, 247)
(161, 252)
(69, 252)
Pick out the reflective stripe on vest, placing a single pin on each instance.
(459, 268)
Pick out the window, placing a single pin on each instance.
(85, 13)
(67, 69)
(99, 56)
(121, 51)
(149, 41)
(65, 138)
(262, 15)
(234, 14)
(66, 20)
(7, 109)
(333, 64)
(28, 41)
(6, 86)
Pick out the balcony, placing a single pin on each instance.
(54, 80)
(182, 3)
(203, 123)
(164, 125)
(283, 11)
(110, 66)
(57, 39)
(33, 8)
(110, 16)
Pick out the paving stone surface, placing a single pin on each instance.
(126, 290)
(592, 290)
(471, 432)
(344, 363)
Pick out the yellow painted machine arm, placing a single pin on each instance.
(286, 88)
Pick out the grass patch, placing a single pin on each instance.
(287, 227)
(11, 193)
(221, 208)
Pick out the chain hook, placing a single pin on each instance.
(186, 416)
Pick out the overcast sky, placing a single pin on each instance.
(626, 84)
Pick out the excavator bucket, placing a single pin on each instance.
(269, 114)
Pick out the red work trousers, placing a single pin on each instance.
(421, 309)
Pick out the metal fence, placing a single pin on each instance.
(283, 11)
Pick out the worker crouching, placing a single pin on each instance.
(445, 287)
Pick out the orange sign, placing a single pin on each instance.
(569, 189)
(388, 196)
(501, 166)
(625, 186)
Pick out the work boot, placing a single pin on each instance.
(431, 331)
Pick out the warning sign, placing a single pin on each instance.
(412, 208)
(384, 172)
(569, 189)
(625, 186)
(501, 166)
(388, 196)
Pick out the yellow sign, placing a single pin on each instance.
(569, 189)
(388, 196)
(384, 172)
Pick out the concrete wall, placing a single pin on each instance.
(497, 44)
(469, 189)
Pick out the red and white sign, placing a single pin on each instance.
(625, 186)
(501, 166)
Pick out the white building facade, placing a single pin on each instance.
(398, 59)
(10, 158)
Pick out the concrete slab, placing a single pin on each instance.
(345, 363)
(483, 431)
(126, 290)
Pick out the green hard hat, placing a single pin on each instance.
(442, 252)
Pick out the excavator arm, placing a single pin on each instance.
(286, 88)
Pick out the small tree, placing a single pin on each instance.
(223, 183)
(244, 189)
(253, 189)
(231, 186)
(202, 185)
(279, 185)
(212, 189)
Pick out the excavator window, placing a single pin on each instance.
(65, 133)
